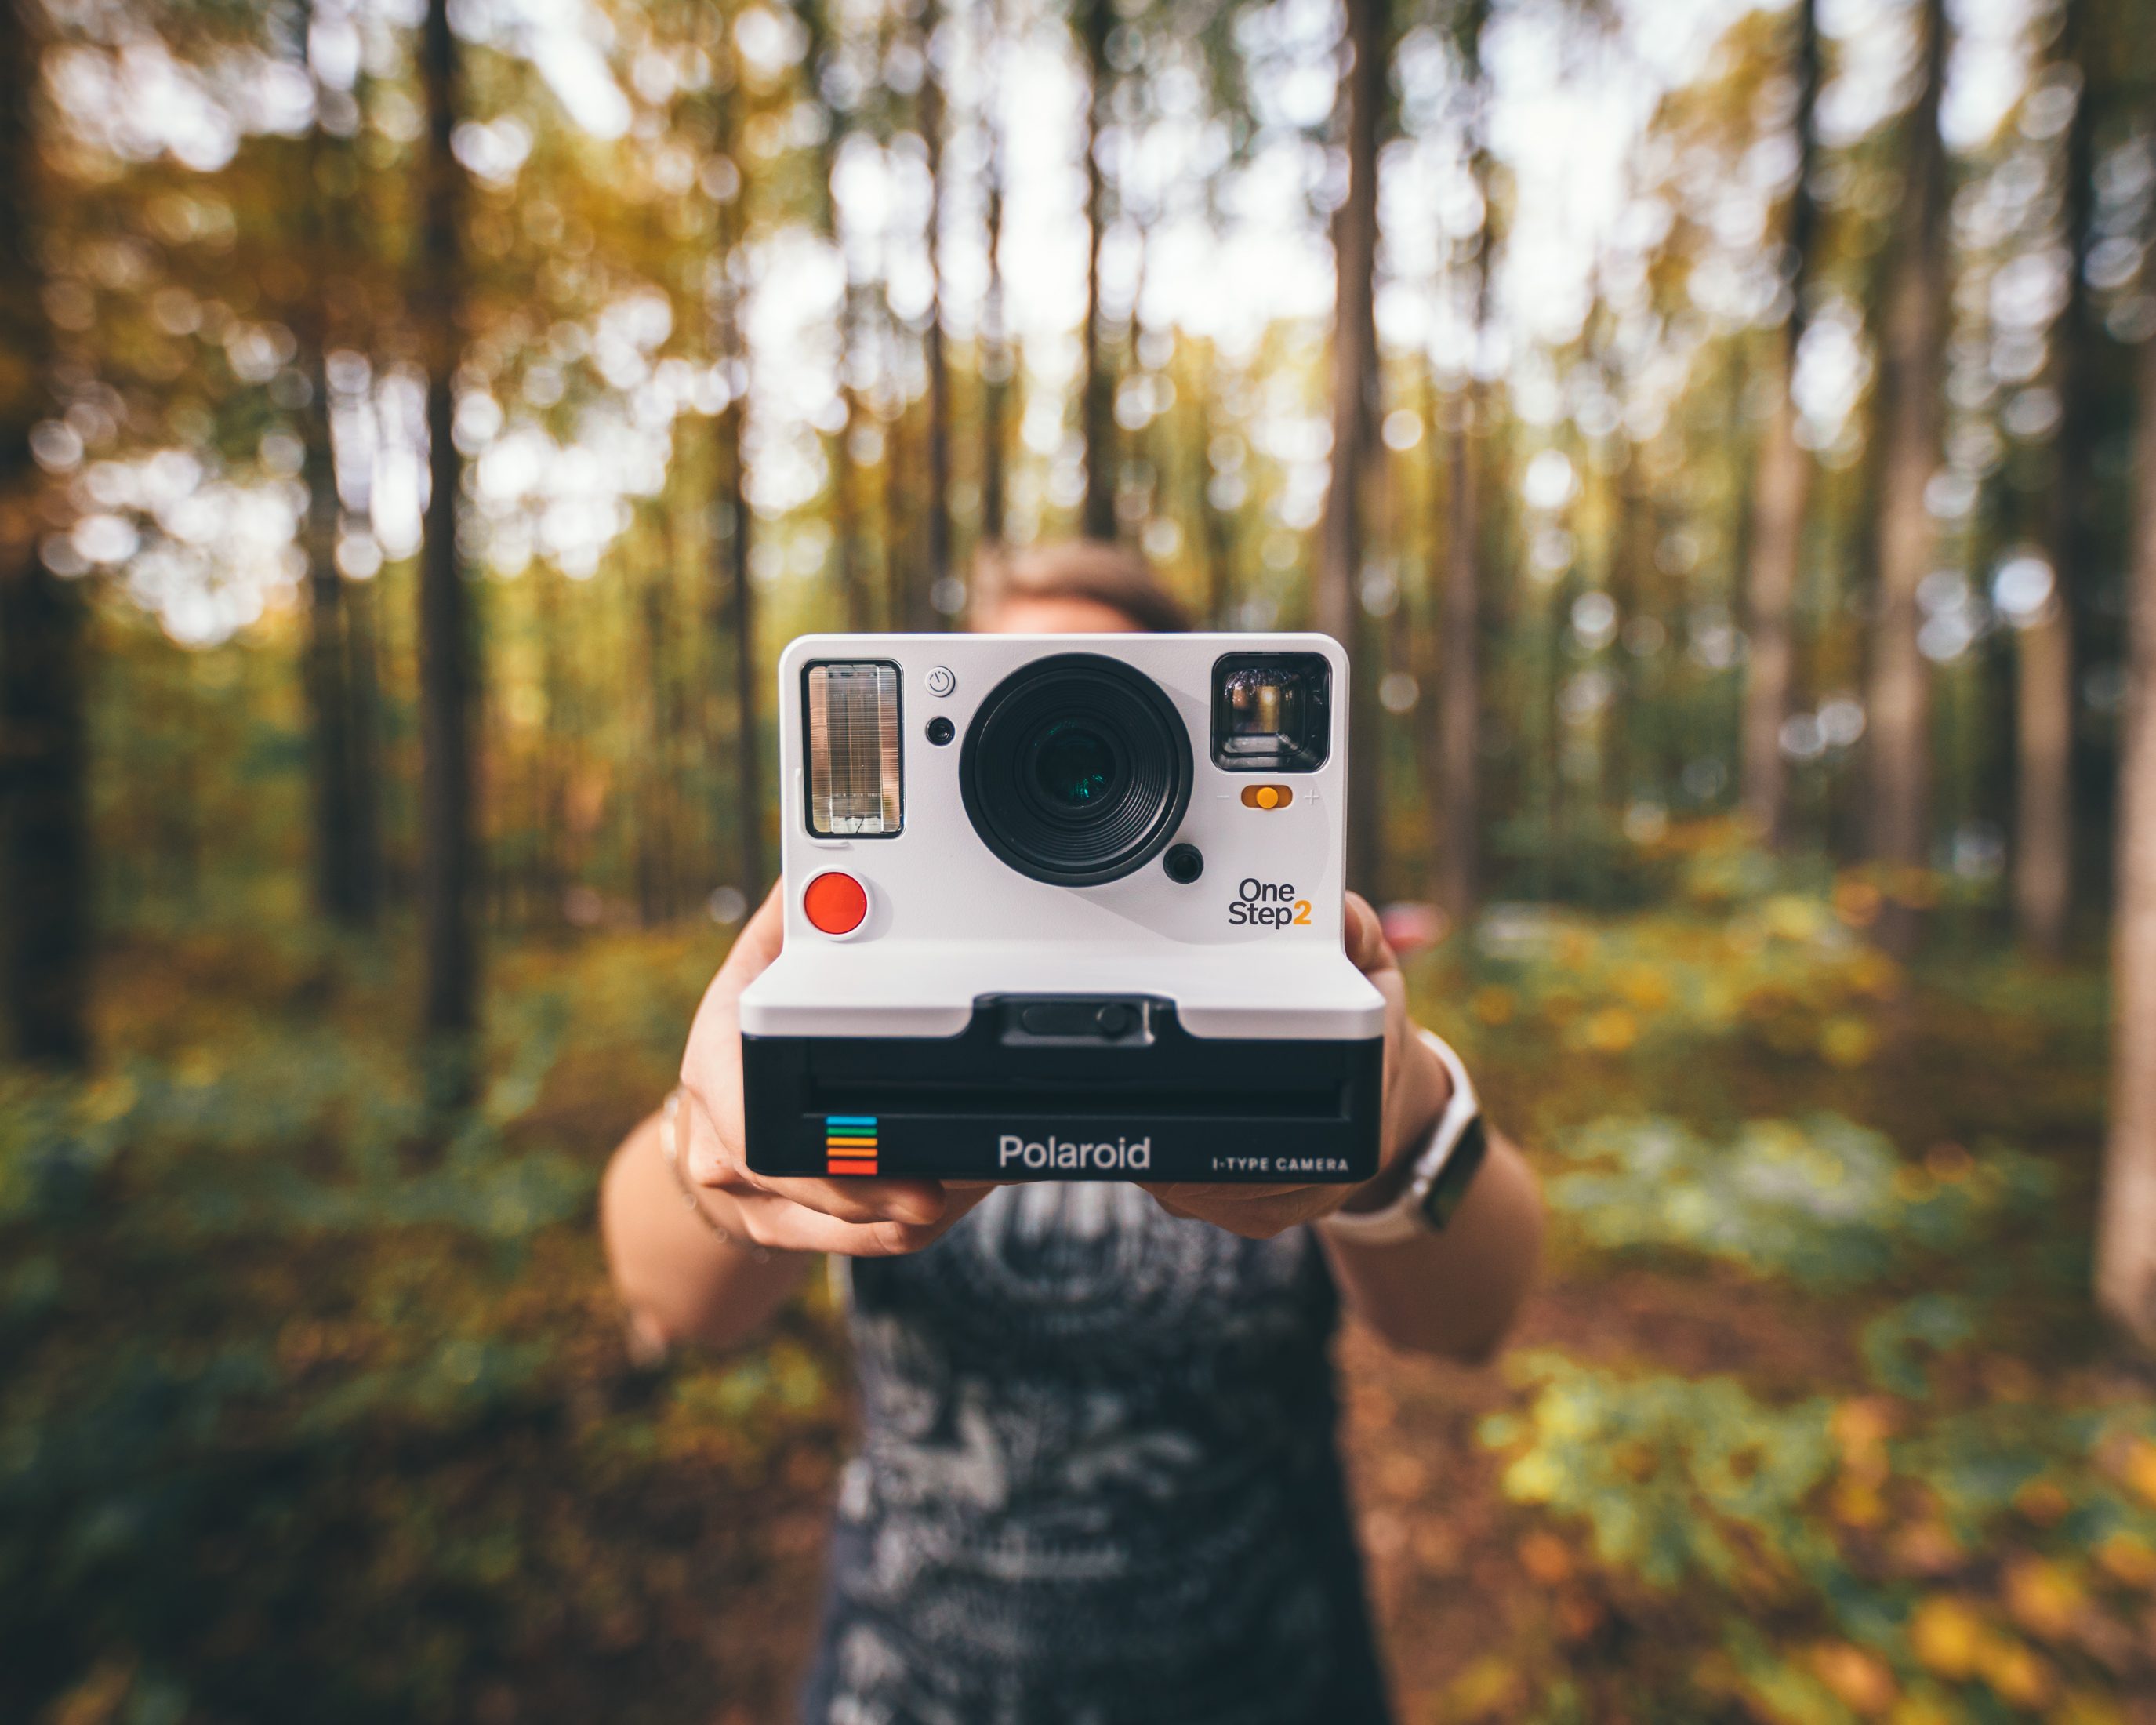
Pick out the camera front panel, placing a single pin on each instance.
(1066, 790)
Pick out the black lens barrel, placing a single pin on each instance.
(1076, 770)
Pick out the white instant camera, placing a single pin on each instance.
(1064, 907)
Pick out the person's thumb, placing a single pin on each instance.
(757, 946)
(1366, 948)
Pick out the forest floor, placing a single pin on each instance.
(1810, 1421)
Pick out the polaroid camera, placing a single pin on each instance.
(1064, 907)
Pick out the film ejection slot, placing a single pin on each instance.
(1068, 1020)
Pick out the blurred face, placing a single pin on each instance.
(1055, 617)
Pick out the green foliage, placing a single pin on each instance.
(1676, 1477)
(1820, 1200)
(1848, 1530)
(1786, 974)
(306, 1395)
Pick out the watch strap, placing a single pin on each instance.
(1434, 1184)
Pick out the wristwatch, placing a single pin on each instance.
(1440, 1176)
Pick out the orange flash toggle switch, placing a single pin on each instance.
(835, 903)
(1267, 796)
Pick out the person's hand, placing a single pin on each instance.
(857, 1217)
(1416, 1090)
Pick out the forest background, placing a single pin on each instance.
(1725, 438)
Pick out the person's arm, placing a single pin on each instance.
(1455, 1293)
(680, 1281)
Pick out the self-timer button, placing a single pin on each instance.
(835, 903)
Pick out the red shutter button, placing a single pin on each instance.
(835, 903)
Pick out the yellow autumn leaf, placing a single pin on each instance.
(2140, 1469)
(1861, 1680)
(1643, 986)
(1494, 1005)
(1611, 1030)
(1847, 1041)
(2129, 1559)
(2015, 1671)
(1489, 1685)
(1947, 1636)
(1856, 1503)
(2044, 1598)
(2042, 1502)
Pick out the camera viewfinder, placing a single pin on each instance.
(1272, 712)
(854, 786)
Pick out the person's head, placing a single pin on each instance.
(1073, 587)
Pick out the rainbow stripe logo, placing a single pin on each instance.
(849, 1143)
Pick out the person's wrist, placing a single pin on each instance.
(1433, 1087)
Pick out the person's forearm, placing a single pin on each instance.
(1455, 1293)
(679, 1280)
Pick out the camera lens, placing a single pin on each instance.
(1076, 769)
(1074, 766)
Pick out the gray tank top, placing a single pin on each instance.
(1097, 1483)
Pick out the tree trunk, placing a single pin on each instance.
(995, 352)
(2044, 682)
(1097, 404)
(939, 370)
(747, 739)
(44, 746)
(1908, 431)
(2126, 1241)
(337, 871)
(343, 878)
(1782, 491)
(1460, 695)
(733, 598)
(448, 681)
(845, 473)
(1455, 791)
(846, 479)
(1338, 609)
(1213, 523)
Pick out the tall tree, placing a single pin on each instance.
(346, 876)
(2044, 648)
(1782, 484)
(44, 749)
(735, 612)
(449, 667)
(845, 476)
(1339, 608)
(1908, 436)
(1459, 788)
(932, 118)
(995, 336)
(1096, 20)
(2126, 1243)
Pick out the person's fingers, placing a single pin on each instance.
(707, 1147)
(712, 1161)
(1366, 948)
(757, 946)
(861, 1198)
(781, 1225)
